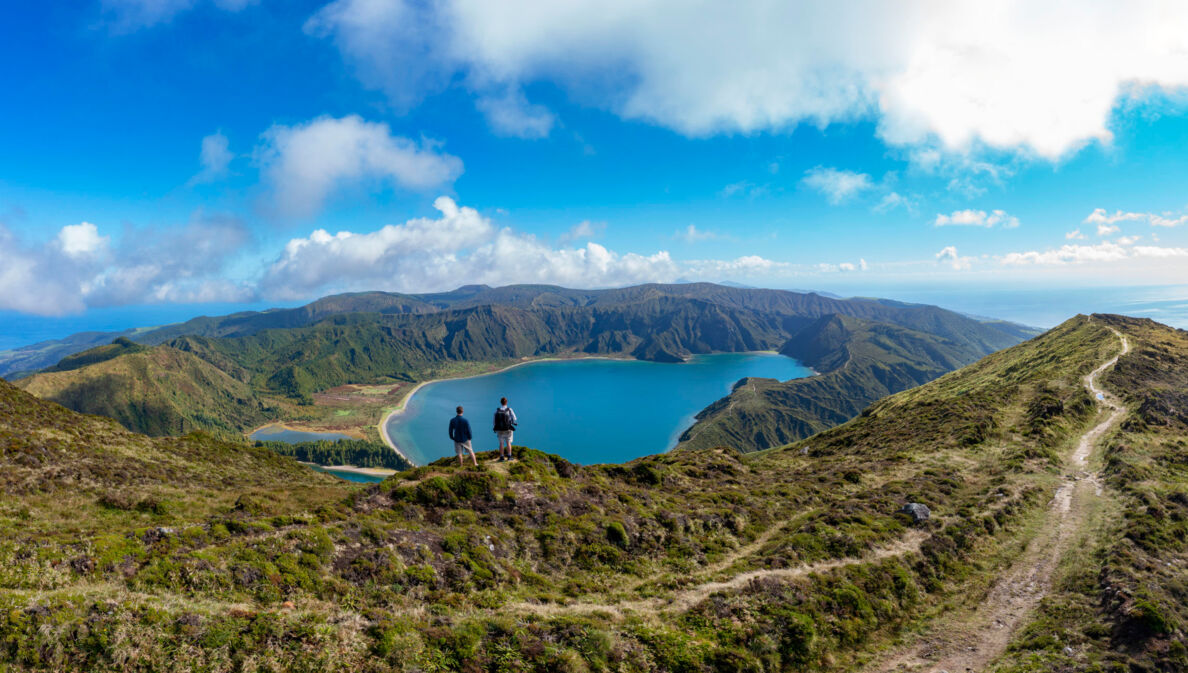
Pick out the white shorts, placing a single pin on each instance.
(461, 448)
(505, 437)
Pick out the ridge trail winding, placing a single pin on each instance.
(973, 641)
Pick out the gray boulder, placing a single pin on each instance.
(917, 511)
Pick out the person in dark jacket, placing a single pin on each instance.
(460, 433)
(505, 425)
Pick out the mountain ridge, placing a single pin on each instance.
(271, 369)
(28, 359)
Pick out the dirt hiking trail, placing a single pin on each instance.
(686, 599)
(970, 642)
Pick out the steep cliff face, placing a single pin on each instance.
(859, 362)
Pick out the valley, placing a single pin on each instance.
(343, 363)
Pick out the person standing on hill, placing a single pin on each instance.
(460, 433)
(505, 424)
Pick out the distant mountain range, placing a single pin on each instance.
(228, 374)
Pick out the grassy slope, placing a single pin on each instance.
(860, 361)
(67, 475)
(542, 565)
(159, 391)
(1122, 603)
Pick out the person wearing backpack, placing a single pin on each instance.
(460, 433)
(505, 424)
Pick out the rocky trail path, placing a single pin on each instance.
(685, 599)
(970, 642)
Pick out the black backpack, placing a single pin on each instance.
(503, 420)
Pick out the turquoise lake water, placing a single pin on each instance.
(275, 433)
(348, 475)
(589, 411)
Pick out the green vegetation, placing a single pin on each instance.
(859, 362)
(794, 559)
(120, 346)
(280, 365)
(357, 452)
(158, 391)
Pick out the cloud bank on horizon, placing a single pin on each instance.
(879, 133)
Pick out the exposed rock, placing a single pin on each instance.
(919, 513)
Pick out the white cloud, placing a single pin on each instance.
(306, 164)
(510, 114)
(1104, 252)
(1075, 235)
(80, 267)
(977, 218)
(1104, 229)
(129, 15)
(1102, 218)
(958, 75)
(949, 256)
(1167, 221)
(394, 46)
(837, 185)
(215, 157)
(461, 246)
(81, 240)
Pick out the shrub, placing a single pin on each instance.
(616, 534)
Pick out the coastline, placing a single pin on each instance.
(349, 432)
(369, 471)
(383, 424)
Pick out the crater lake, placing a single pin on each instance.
(586, 410)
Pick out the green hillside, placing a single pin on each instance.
(696, 560)
(156, 391)
(120, 346)
(859, 362)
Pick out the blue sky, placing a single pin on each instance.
(164, 152)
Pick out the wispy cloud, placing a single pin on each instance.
(215, 158)
(1107, 222)
(837, 185)
(510, 114)
(977, 218)
(125, 16)
(583, 230)
(307, 163)
(691, 234)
